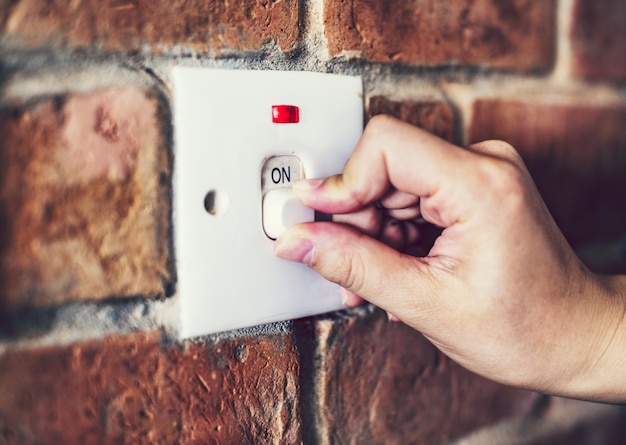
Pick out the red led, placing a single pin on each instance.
(285, 114)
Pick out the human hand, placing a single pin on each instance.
(500, 291)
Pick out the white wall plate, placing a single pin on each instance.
(228, 276)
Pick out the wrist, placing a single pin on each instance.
(602, 375)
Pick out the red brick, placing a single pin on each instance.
(599, 39)
(131, 25)
(383, 383)
(84, 199)
(131, 389)
(512, 34)
(576, 154)
(433, 115)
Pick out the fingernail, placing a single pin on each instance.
(344, 296)
(349, 299)
(299, 250)
(392, 317)
(306, 185)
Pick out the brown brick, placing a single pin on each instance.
(576, 154)
(435, 116)
(599, 39)
(383, 383)
(131, 25)
(132, 390)
(513, 34)
(84, 203)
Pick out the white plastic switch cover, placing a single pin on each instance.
(226, 145)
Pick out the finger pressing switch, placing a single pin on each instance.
(281, 208)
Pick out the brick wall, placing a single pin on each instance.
(87, 279)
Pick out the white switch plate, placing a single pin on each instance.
(228, 276)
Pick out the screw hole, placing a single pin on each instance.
(215, 203)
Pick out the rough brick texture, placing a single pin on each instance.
(435, 116)
(575, 152)
(84, 200)
(501, 34)
(132, 25)
(599, 39)
(131, 390)
(383, 383)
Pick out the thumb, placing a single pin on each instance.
(358, 263)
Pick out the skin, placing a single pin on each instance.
(501, 292)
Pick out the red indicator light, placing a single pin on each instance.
(285, 114)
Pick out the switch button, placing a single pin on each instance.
(281, 208)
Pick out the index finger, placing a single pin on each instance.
(391, 153)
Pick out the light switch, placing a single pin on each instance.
(281, 208)
(241, 138)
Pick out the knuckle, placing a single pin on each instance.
(380, 120)
(503, 147)
(379, 125)
(353, 274)
(503, 177)
(499, 149)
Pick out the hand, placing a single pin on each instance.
(500, 291)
